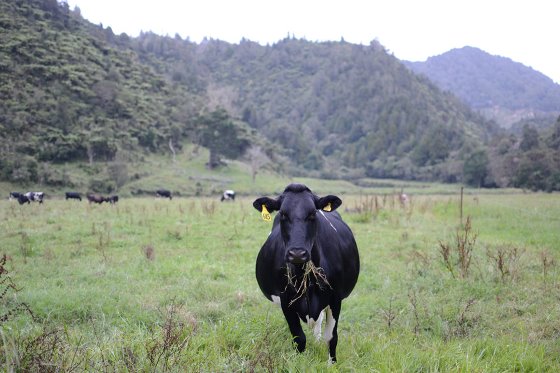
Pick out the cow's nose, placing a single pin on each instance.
(297, 256)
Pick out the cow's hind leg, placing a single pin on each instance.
(295, 327)
(331, 333)
(316, 325)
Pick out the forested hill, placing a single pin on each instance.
(333, 107)
(493, 83)
(68, 93)
(74, 91)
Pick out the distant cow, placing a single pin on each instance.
(95, 198)
(73, 195)
(14, 195)
(309, 262)
(228, 195)
(112, 200)
(163, 193)
(35, 196)
(404, 199)
(22, 198)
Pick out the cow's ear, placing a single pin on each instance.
(270, 204)
(328, 203)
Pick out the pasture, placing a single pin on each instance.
(159, 285)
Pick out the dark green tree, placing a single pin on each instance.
(222, 135)
(529, 138)
(475, 168)
(553, 139)
(535, 170)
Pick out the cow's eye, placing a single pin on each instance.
(311, 216)
(283, 216)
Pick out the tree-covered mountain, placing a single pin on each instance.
(74, 92)
(68, 93)
(334, 108)
(502, 89)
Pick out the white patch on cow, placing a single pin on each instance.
(329, 326)
(322, 213)
(316, 325)
(275, 300)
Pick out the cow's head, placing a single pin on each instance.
(297, 214)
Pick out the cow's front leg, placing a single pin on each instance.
(295, 326)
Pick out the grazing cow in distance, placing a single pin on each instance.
(22, 198)
(163, 193)
(404, 199)
(229, 195)
(112, 200)
(30, 197)
(309, 262)
(73, 195)
(35, 196)
(95, 198)
(14, 195)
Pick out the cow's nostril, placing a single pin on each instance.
(297, 256)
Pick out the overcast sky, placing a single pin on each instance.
(525, 31)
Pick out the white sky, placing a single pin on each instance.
(526, 31)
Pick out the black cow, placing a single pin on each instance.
(309, 262)
(14, 195)
(73, 195)
(112, 200)
(95, 198)
(228, 195)
(163, 193)
(22, 198)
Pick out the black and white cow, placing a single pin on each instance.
(35, 196)
(228, 195)
(164, 193)
(307, 230)
(30, 197)
(73, 195)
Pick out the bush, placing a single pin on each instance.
(103, 185)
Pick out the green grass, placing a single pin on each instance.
(154, 285)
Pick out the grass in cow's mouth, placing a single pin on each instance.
(308, 269)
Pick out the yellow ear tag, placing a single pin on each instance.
(265, 214)
(327, 207)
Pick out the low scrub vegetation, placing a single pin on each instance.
(159, 285)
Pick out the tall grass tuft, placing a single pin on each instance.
(149, 252)
(208, 208)
(164, 349)
(460, 254)
(547, 262)
(25, 247)
(506, 260)
(9, 308)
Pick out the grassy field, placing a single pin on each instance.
(158, 285)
